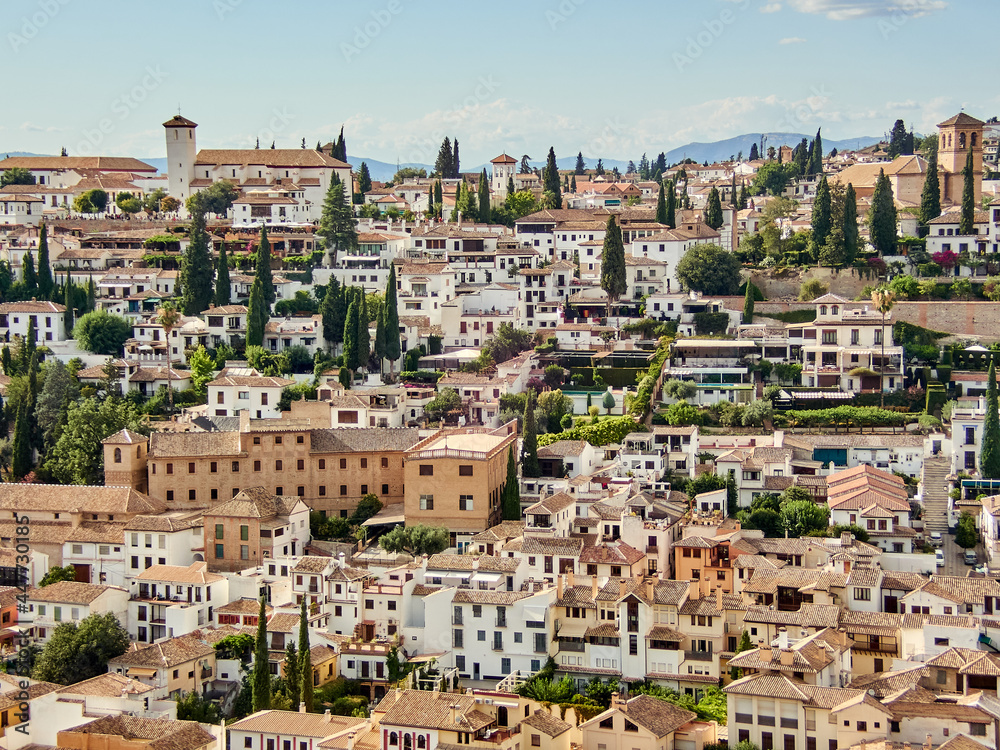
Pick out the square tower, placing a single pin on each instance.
(504, 168)
(956, 136)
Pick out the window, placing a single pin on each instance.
(536, 740)
(426, 470)
(427, 502)
(322, 463)
(219, 531)
(213, 467)
(465, 471)
(862, 726)
(219, 551)
(256, 465)
(244, 533)
(385, 463)
(277, 465)
(277, 439)
(465, 502)
(385, 489)
(343, 490)
(244, 552)
(343, 463)
(236, 468)
(170, 468)
(364, 463)
(863, 595)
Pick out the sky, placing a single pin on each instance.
(99, 77)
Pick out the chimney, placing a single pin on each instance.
(927, 742)
(326, 716)
(616, 700)
(622, 587)
(846, 538)
(221, 743)
(302, 707)
(787, 657)
(593, 587)
(340, 560)
(694, 590)
(350, 741)
(766, 652)
(570, 580)
(718, 599)
(782, 638)
(649, 589)
(453, 713)
(559, 587)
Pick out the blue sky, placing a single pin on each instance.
(610, 79)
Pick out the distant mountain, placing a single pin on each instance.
(382, 171)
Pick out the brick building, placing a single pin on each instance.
(252, 526)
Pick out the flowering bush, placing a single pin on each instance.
(945, 258)
(877, 264)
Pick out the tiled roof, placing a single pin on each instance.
(313, 564)
(546, 723)
(659, 717)
(108, 685)
(365, 439)
(615, 554)
(196, 572)
(76, 499)
(427, 710)
(165, 654)
(68, 592)
(501, 532)
(254, 502)
(474, 596)
(155, 734)
(164, 522)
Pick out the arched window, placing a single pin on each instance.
(118, 455)
(944, 141)
(973, 136)
(421, 742)
(949, 139)
(138, 451)
(834, 310)
(961, 140)
(822, 309)
(407, 741)
(393, 739)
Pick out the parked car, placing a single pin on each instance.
(935, 539)
(939, 558)
(970, 557)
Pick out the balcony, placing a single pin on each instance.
(698, 656)
(457, 620)
(206, 672)
(652, 549)
(577, 646)
(501, 622)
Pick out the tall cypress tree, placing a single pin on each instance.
(352, 359)
(68, 319)
(551, 175)
(850, 224)
(223, 284)
(748, 301)
(444, 164)
(581, 165)
(484, 198)
(260, 677)
(28, 273)
(293, 676)
(258, 313)
(511, 490)
(733, 196)
(671, 196)
(613, 279)
(196, 268)
(989, 453)
(529, 443)
(305, 658)
(333, 330)
(713, 211)
(754, 152)
(882, 217)
(364, 332)
(661, 206)
(91, 295)
(456, 169)
(930, 198)
(21, 450)
(390, 312)
(817, 165)
(822, 217)
(45, 282)
(967, 222)
(263, 271)
(336, 224)
(378, 346)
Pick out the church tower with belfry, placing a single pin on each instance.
(956, 136)
(125, 460)
(182, 151)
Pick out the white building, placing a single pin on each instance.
(69, 601)
(169, 601)
(238, 389)
(15, 317)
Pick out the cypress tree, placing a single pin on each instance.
(930, 198)
(817, 165)
(572, 183)
(223, 284)
(821, 215)
(882, 217)
(551, 175)
(364, 179)
(744, 197)
(258, 313)
(305, 658)
(613, 278)
(850, 224)
(263, 271)
(529, 443)
(989, 453)
(661, 207)
(713, 212)
(456, 169)
(801, 156)
(510, 186)
(511, 490)
(364, 332)
(809, 158)
(378, 348)
(68, 320)
(967, 223)
(754, 153)
(484, 198)
(581, 165)
(599, 169)
(336, 224)
(352, 360)
(391, 315)
(671, 196)
(438, 197)
(445, 160)
(748, 304)
(91, 295)
(20, 463)
(260, 677)
(733, 197)
(196, 268)
(293, 679)
(45, 282)
(30, 277)
(333, 330)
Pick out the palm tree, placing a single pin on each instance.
(169, 316)
(883, 298)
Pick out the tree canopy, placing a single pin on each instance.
(709, 269)
(101, 332)
(417, 540)
(79, 652)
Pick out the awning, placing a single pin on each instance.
(385, 519)
(487, 577)
(142, 671)
(572, 630)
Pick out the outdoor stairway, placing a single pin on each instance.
(934, 482)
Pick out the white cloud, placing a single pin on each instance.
(31, 127)
(792, 40)
(770, 8)
(846, 10)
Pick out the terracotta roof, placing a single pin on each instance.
(108, 685)
(659, 717)
(294, 158)
(427, 710)
(293, 723)
(104, 163)
(155, 734)
(69, 592)
(76, 499)
(546, 723)
(196, 572)
(165, 654)
(254, 502)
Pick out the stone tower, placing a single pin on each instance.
(181, 154)
(125, 460)
(504, 168)
(956, 136)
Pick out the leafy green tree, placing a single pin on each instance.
(511, 489)
(305, 667)
(56, 574)
(989, 452)
(260, 677)
(833, 252)
(713, 211)
(930, 198)
(821, 216)
(550, 179)
(59, 389)
(416, 540)
(202, 369)
(613, 274)
(445, 401)
(333, 312)
(78, 456)
(194, 706)
(336, 224)
(799, 517)
(216, 199)
(257, 314)
(709, 269)
(151, 201)
(444, 165)
(223, 284)
(679, 389)
(80, 652)
(967, 222)
(529, 443)
(367, 507)
(882, 218)
(196, 268)
(507, 343)
(608, 402)
(28, 273)
(352, 326)
(16, 176)
(966, 535)
(748, 302)
(45, 282)
(128, 203)
(263, 268)
(581, 165)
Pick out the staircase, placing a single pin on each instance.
(934, 484)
